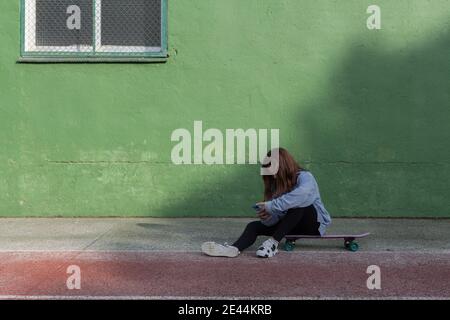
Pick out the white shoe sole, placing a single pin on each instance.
(214, 250)
(261, 255)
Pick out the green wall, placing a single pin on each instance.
(367, 111)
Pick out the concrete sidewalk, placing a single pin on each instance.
(160, 259)
(187, 234)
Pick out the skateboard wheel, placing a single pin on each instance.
(289, 245)
(353, 246)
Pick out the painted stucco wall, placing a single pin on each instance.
(367, 111)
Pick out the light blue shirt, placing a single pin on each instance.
(305, 193)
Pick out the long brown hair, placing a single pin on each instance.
(286, 177)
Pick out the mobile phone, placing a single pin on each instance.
(256, 207)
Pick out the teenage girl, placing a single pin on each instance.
(292, 205)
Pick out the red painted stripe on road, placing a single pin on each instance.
(297, 274)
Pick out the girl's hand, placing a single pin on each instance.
(262, 206)
(262, 213)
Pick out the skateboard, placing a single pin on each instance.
(349, 240)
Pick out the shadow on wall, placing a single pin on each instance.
(379, 134)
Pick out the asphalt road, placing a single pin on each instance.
(133, 259)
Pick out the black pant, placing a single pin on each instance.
(296, 221)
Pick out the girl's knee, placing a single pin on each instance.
(254, 225)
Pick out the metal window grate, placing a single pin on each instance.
(94, 28)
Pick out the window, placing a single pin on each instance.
(93, 29)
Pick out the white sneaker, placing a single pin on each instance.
(218, 250)
(268, 249)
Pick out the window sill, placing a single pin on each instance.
(90, 60)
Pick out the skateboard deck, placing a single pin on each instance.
(349, 240)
